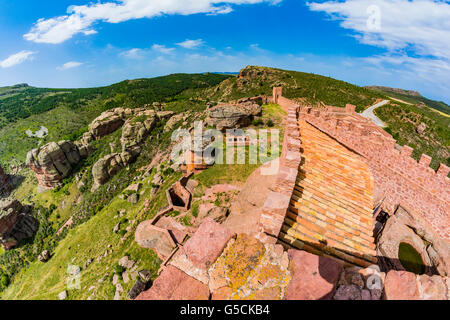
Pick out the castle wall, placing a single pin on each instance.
(399, 179)
(277, 202)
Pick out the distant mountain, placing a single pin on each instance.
(412, 97)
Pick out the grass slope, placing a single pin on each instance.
(413, 98)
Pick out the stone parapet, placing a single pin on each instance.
(399, 179)
(277, 202)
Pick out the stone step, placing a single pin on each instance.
(344, 192)
(330, 247)
(322, 233)
(335, 227)
(346, 211)
(335, 181)
(341, 220)
(299, 244)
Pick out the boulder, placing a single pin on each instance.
(16, 223)
(62, 295)
(170, 125)
(106, 167)
(136, 129)
(145, 275)
(349, 292)
(126, 262)
(149, 236)
(229, 116)
(53, 162)
(401, 285)
(108, 122)
(44, 256)
(137, 289)
(133, 198)
(207, 244)
(313, 277)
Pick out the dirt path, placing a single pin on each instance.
(368, 113)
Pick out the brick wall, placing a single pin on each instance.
(399, 179)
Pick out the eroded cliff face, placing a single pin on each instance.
(16, 223)
(53, 162)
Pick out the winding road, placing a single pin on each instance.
(368, 113)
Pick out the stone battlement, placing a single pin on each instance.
(399, 179)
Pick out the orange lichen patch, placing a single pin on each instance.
(250, 270)
(332, 203)
(269, 272)
(242, 259)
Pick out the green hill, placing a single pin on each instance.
(64, 111)
(66, 114)
(411, 97)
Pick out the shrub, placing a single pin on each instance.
(257, 122)
(119, 270)
(4, 281)
(270, 123)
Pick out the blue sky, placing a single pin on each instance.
(77, 43)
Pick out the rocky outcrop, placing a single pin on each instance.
(233, 115)
(135, 129)
(16, 223)
(53, 162)
(108, 122)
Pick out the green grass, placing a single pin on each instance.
(89, 240)
(402, 121)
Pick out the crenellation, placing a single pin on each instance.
(443, 171)
(425, 161)
(406, 151)
(349, 108)
(399, 178)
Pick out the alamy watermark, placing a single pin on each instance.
(373, 23)
(234, 146)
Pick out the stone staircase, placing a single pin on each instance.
(330, 212)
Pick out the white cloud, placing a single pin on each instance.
(70, 65)
(419, 25)
(415, 34)
(162, 48)
(17, 58)
(134, 53)
(191, 44)
(81, 19)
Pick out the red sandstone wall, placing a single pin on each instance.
(277, 202)
(399, 179)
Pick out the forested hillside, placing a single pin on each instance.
(65, 111)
